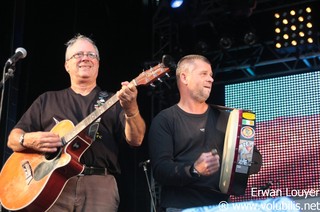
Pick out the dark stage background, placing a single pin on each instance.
(132, 35)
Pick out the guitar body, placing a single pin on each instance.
(32, 182)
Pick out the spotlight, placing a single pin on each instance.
(294, 28)
(176, 3)
(249, 38)
(225, 42)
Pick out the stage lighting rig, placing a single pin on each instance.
(294, 29)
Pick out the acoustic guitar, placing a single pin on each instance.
(31, 181)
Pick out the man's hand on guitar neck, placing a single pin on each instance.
(128, 98)
(135, 126)
(39, 141)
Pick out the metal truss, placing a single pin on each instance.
(262, 61)
(242, 62)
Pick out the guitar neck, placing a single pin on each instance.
(144, 78)
(91, 118)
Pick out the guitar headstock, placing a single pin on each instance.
(155, 72)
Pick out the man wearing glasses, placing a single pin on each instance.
(95, 188)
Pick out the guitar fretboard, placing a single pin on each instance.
(91, 118)
(144, 78)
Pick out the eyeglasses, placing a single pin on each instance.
(80, 55)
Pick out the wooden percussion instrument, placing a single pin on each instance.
(237, 152)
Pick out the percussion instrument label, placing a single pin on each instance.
(248, 115)
(247, 132)
(248, 122)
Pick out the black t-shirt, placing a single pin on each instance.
(107, 131)
(176, 140)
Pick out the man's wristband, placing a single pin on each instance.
(132, 116)
(194, 172)
(21, 139)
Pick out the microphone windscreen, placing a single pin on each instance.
(22, 51)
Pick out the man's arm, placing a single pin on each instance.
(135, 126)
(19, 140)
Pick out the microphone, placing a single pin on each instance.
(143, 163)
(19, 54)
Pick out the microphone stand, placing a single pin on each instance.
(149, 187)
(6, 75)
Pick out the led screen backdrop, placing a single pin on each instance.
(287, 133)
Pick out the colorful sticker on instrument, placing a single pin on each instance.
(245, 152)
(247, 132)
(248, 115)
(247, 122)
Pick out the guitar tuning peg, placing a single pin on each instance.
(160, 80)
(168, 75)
(152, 85)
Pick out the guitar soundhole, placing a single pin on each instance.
(50, 156)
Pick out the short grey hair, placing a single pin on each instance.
(187, 60)
(81, 37)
